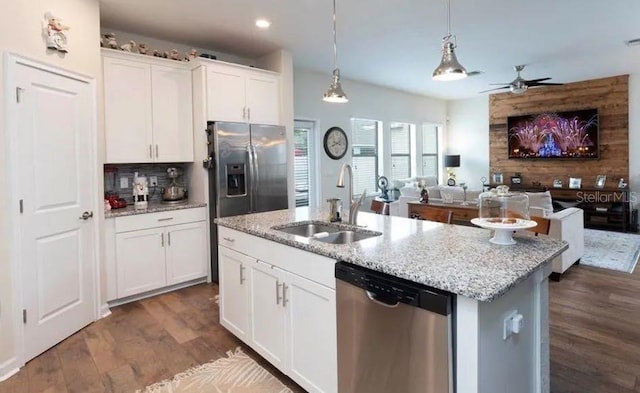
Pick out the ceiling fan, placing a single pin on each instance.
(520, 85)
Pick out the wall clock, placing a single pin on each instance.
(335, 143)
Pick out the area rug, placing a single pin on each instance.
(611, 250)
(237, 373)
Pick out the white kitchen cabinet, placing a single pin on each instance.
(263, 98)
(268, 313)
(234, 291)
(292, 319)
(156, 250)
(172, 114)
(311, 325)
(239, 94)
(186, 252)
(141, 262)
(148, 109)
(127, 107)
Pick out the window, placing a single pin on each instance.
(429, 150)
(400, 150)
(364, 145)
(302, 161)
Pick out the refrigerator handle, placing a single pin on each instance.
(251, 176)
(256, 175)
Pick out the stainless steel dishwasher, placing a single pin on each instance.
(394, 336)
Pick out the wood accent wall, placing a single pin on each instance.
(609, 95)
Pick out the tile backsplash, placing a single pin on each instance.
(127, 171)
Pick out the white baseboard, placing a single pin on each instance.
(9, 368)
(105, 311)
(133, 298)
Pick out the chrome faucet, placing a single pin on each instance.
(354, 205)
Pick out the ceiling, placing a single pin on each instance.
(397, 43)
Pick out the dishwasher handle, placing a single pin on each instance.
(381, 301)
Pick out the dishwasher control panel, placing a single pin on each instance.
(390, 289)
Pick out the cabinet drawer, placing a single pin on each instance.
(306, 264)
(152, 220)
(240, 241)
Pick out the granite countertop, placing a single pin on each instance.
(154, 207)
(454, 258)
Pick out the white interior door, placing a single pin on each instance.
(54, 120)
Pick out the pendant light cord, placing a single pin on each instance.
(448, 18)
(335, 45)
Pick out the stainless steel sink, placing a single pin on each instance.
(308, 229)
(344, 237)
(337, 233)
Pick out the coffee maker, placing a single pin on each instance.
(140, 192)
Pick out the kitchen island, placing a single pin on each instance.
(491, 283)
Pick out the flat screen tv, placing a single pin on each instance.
(572, 134)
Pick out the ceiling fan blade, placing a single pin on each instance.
(536, 80)
(544, 84)
(497, 88)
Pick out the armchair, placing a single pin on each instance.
(567, 225)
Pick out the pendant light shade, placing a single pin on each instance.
(335, 93)
(449, 69)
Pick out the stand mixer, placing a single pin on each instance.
(173, 193)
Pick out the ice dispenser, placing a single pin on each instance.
(236, 180)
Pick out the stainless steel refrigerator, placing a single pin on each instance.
(247, 172)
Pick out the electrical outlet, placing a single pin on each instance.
(124, 182)
(153, 181)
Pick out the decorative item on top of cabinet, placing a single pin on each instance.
(142, 48)
(129, 46)
(110, 41)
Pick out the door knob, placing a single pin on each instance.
(86, 215)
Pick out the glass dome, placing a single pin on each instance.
(501, 206)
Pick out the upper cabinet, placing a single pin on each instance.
(148, 109)
(241, 94)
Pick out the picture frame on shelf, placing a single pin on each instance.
(622, 183)
(575, 182)
(497, 178)
(600, 181)
(557, 183)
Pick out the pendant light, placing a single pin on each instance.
(335, 93)
(449, 69)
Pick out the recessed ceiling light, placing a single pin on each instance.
(263, 23)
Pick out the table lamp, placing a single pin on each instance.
(451, 161)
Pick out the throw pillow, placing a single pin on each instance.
(434, 192)
(541, 200)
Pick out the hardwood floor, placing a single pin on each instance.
(594, 323)
(595, 331)
(139, 344)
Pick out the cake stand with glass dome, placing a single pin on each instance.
(504, 212)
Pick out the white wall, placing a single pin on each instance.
(365, 101)
(21, 33)
(468, 135)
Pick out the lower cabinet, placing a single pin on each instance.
(151, 254)
(288, 319)
(234, 291)
(140, 261)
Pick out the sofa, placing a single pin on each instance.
(410, 192)
(566, 224)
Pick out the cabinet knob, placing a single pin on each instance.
(86, 215)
